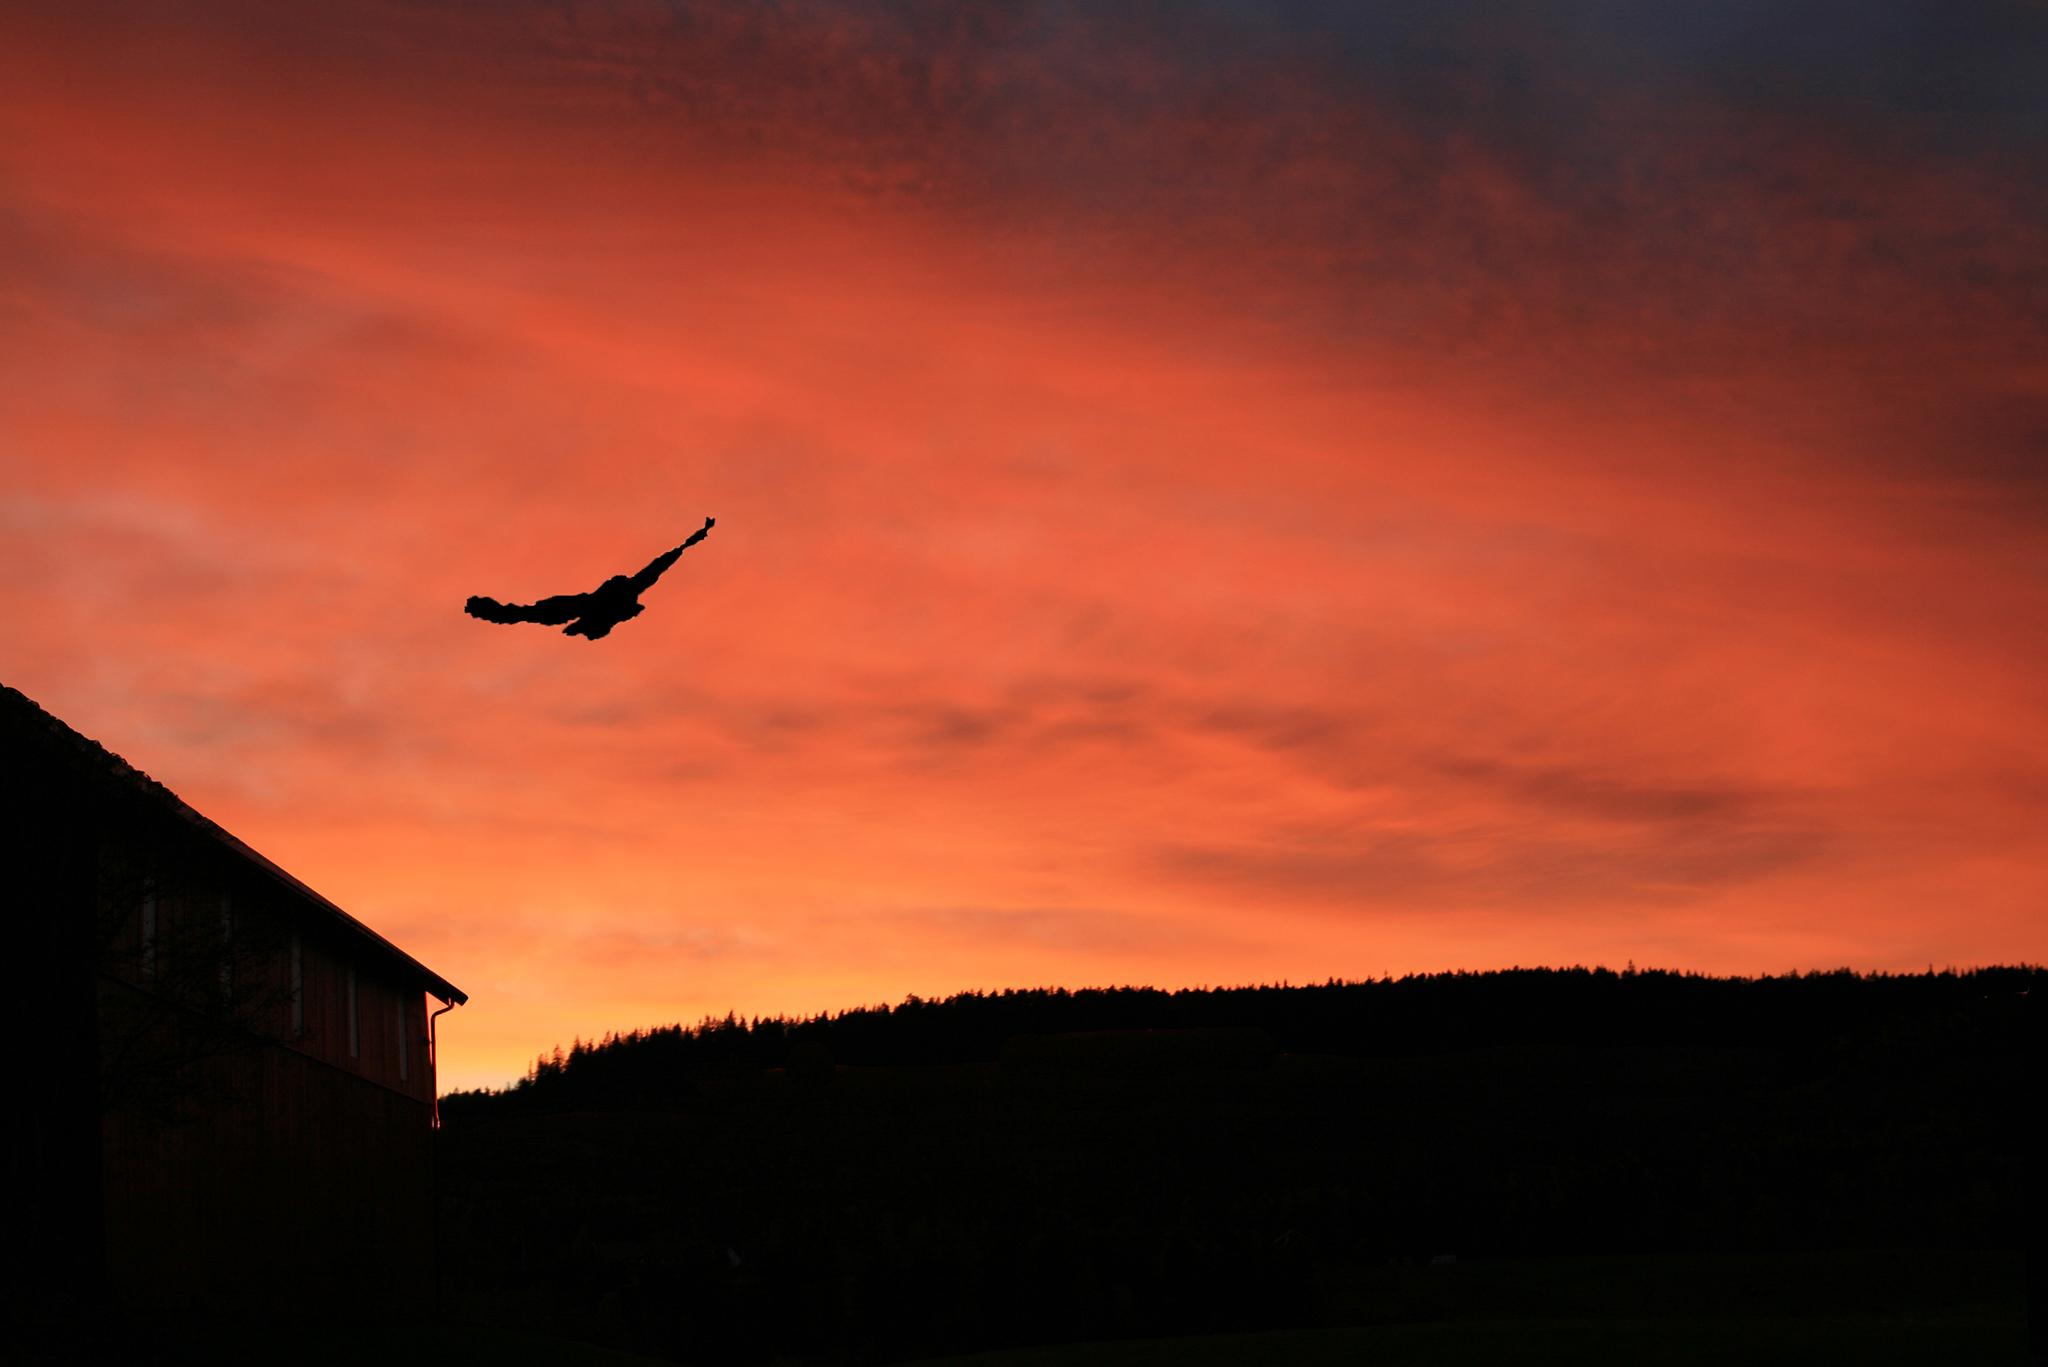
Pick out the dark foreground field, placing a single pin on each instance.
(1620, 1177)
(1886, 1309)
(1870, 1309)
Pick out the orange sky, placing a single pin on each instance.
(1204, 496)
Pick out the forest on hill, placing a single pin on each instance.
(1022, 1167)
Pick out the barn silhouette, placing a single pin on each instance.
(229, 1081)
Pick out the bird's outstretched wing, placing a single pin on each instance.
(563, 607)
(659, 565)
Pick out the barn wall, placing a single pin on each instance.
(269, 1182)
(186, 955)
(324, 972)
(179, 1144)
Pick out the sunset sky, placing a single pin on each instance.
(1206, 493)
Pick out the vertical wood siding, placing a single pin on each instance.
(274, 1183)
(268, 1170)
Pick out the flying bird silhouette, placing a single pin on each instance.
(592, 614)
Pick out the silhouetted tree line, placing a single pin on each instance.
(1377, 1018)
(998, 1169)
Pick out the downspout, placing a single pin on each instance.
(434, 1059)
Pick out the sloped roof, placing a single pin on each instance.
(24, 721)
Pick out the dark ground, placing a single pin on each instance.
(1871, 1309)
(834, 1214)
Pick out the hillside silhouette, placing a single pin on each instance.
(1013, 1168)
(1417, 1015)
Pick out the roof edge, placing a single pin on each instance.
(112, 768)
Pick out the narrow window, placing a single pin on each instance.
(227, 948)
(298, 987)
(149, 924)
(355, 1035)
(404, 1045)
